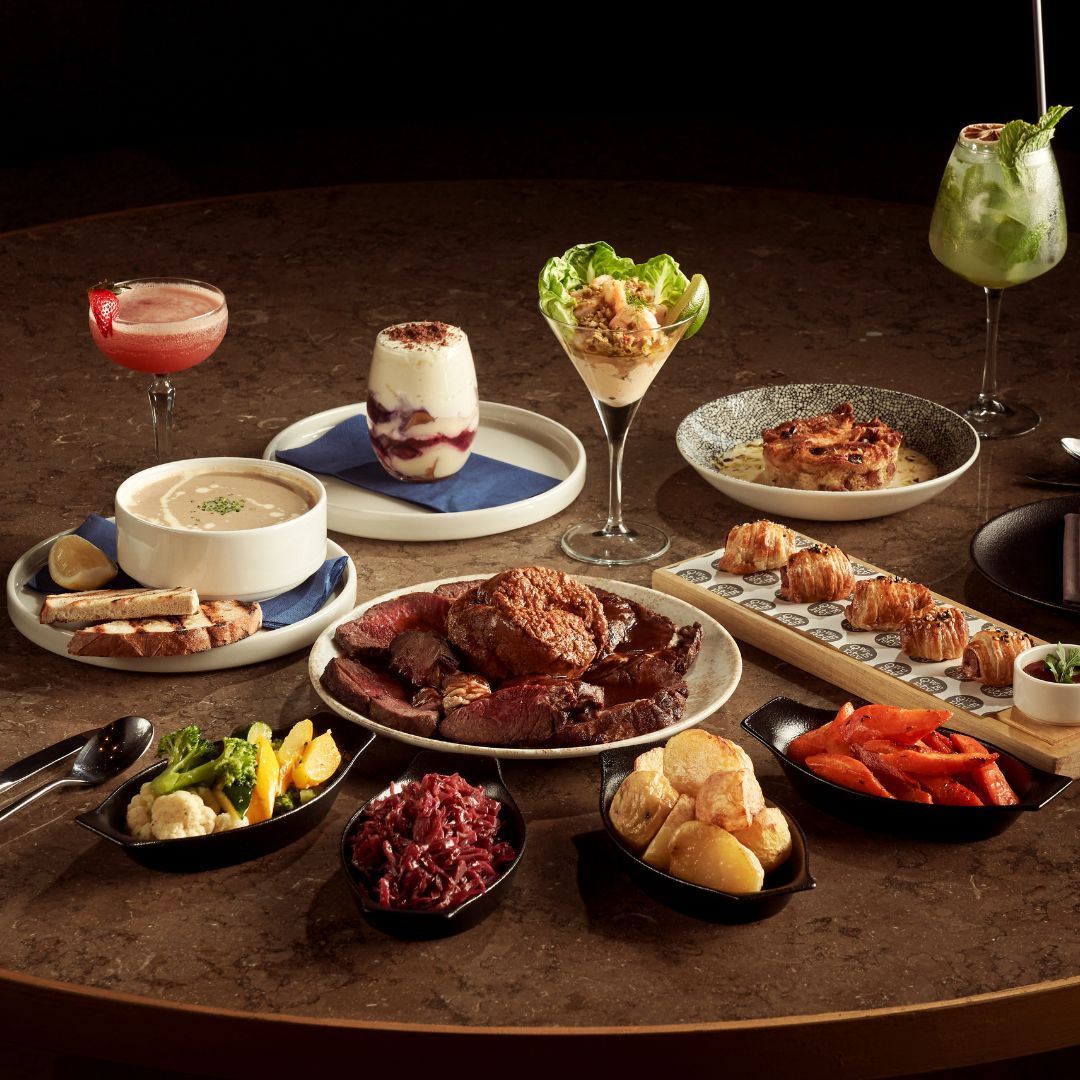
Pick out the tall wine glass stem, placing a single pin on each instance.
(991, 417)
(987, 401)
(616, 421)
(162, 398)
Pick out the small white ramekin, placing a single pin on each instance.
(1048, 702)
(248, 564)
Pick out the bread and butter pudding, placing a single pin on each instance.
(831, 451)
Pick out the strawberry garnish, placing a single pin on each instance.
(104, 303)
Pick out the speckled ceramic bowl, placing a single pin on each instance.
(712, 429)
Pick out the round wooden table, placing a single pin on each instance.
(907, 956)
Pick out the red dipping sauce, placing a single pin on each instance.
(431, 844)
(1037, 669)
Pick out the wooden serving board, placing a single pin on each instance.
(753, 618)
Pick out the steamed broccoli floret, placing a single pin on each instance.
(194, 762)
(185, 750)
(286, 802)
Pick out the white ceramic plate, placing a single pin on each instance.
(24, 605)
(507, 433)
(946, 438)
(712, 680)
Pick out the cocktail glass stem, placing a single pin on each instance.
(162, 398)
(616, 421)
(987, 401)
(618, 543)
(989, 416)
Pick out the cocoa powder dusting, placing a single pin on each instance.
(413, 335)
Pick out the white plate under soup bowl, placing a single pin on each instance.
(712, 429)
(242, 564)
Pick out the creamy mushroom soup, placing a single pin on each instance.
(220, 501)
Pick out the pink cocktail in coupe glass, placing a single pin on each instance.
(162, 325)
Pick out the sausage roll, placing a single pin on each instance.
(883, 603)
(934, 633)
(990, 654)
(757, 545)
(816, 573)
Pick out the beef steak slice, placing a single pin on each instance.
(423, 658)
(525, 714)
(371, 634)
(377, 696)
(624, 721)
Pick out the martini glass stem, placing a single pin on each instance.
(987, 401)
(616, 421)
(162, 398)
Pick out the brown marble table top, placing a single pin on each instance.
(804, 288)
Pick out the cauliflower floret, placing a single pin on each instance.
(137, 817)
(179, 814)
(224, 822)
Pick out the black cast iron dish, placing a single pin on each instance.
(697, 900)
(235, 845)
(483, 772)
(781, 720)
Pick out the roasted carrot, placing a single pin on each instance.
(929, 763)
(847, 772)
(988, 780)
(936, 740)
(904, 725)
(820, 740)
(899, 784)
(948, 791)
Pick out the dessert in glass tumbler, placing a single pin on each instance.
(422, 408)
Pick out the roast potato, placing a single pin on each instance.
(729, 799)
(640, 806)
(692, 756)
(708, 855)
(651, 761)
(657, 854)
(768, 837)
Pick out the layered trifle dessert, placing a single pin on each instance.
(422, 407)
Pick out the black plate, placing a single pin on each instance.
(697, 900)
(483, 772)
(1020, 550)
(781, 720)
(235, 845)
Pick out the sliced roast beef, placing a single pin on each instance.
(624, 721)
(629, 676)
(684, 650)
(453, 589)
(423, 658)
(620, 616)
(377, 696)
(524, 714)
(371, 634)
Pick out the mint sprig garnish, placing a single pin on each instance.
(1064, 664)
(1018, 137)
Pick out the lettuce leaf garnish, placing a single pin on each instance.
(579, 265)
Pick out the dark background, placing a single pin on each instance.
(109, 107)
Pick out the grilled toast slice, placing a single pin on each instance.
(216, 623)
(97, 605)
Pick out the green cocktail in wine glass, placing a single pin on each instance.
(999, 220)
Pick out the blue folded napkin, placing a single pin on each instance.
(281, 610)
(346, 453)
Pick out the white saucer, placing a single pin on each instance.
(24, 605)
(507, 433)
(712, 679)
